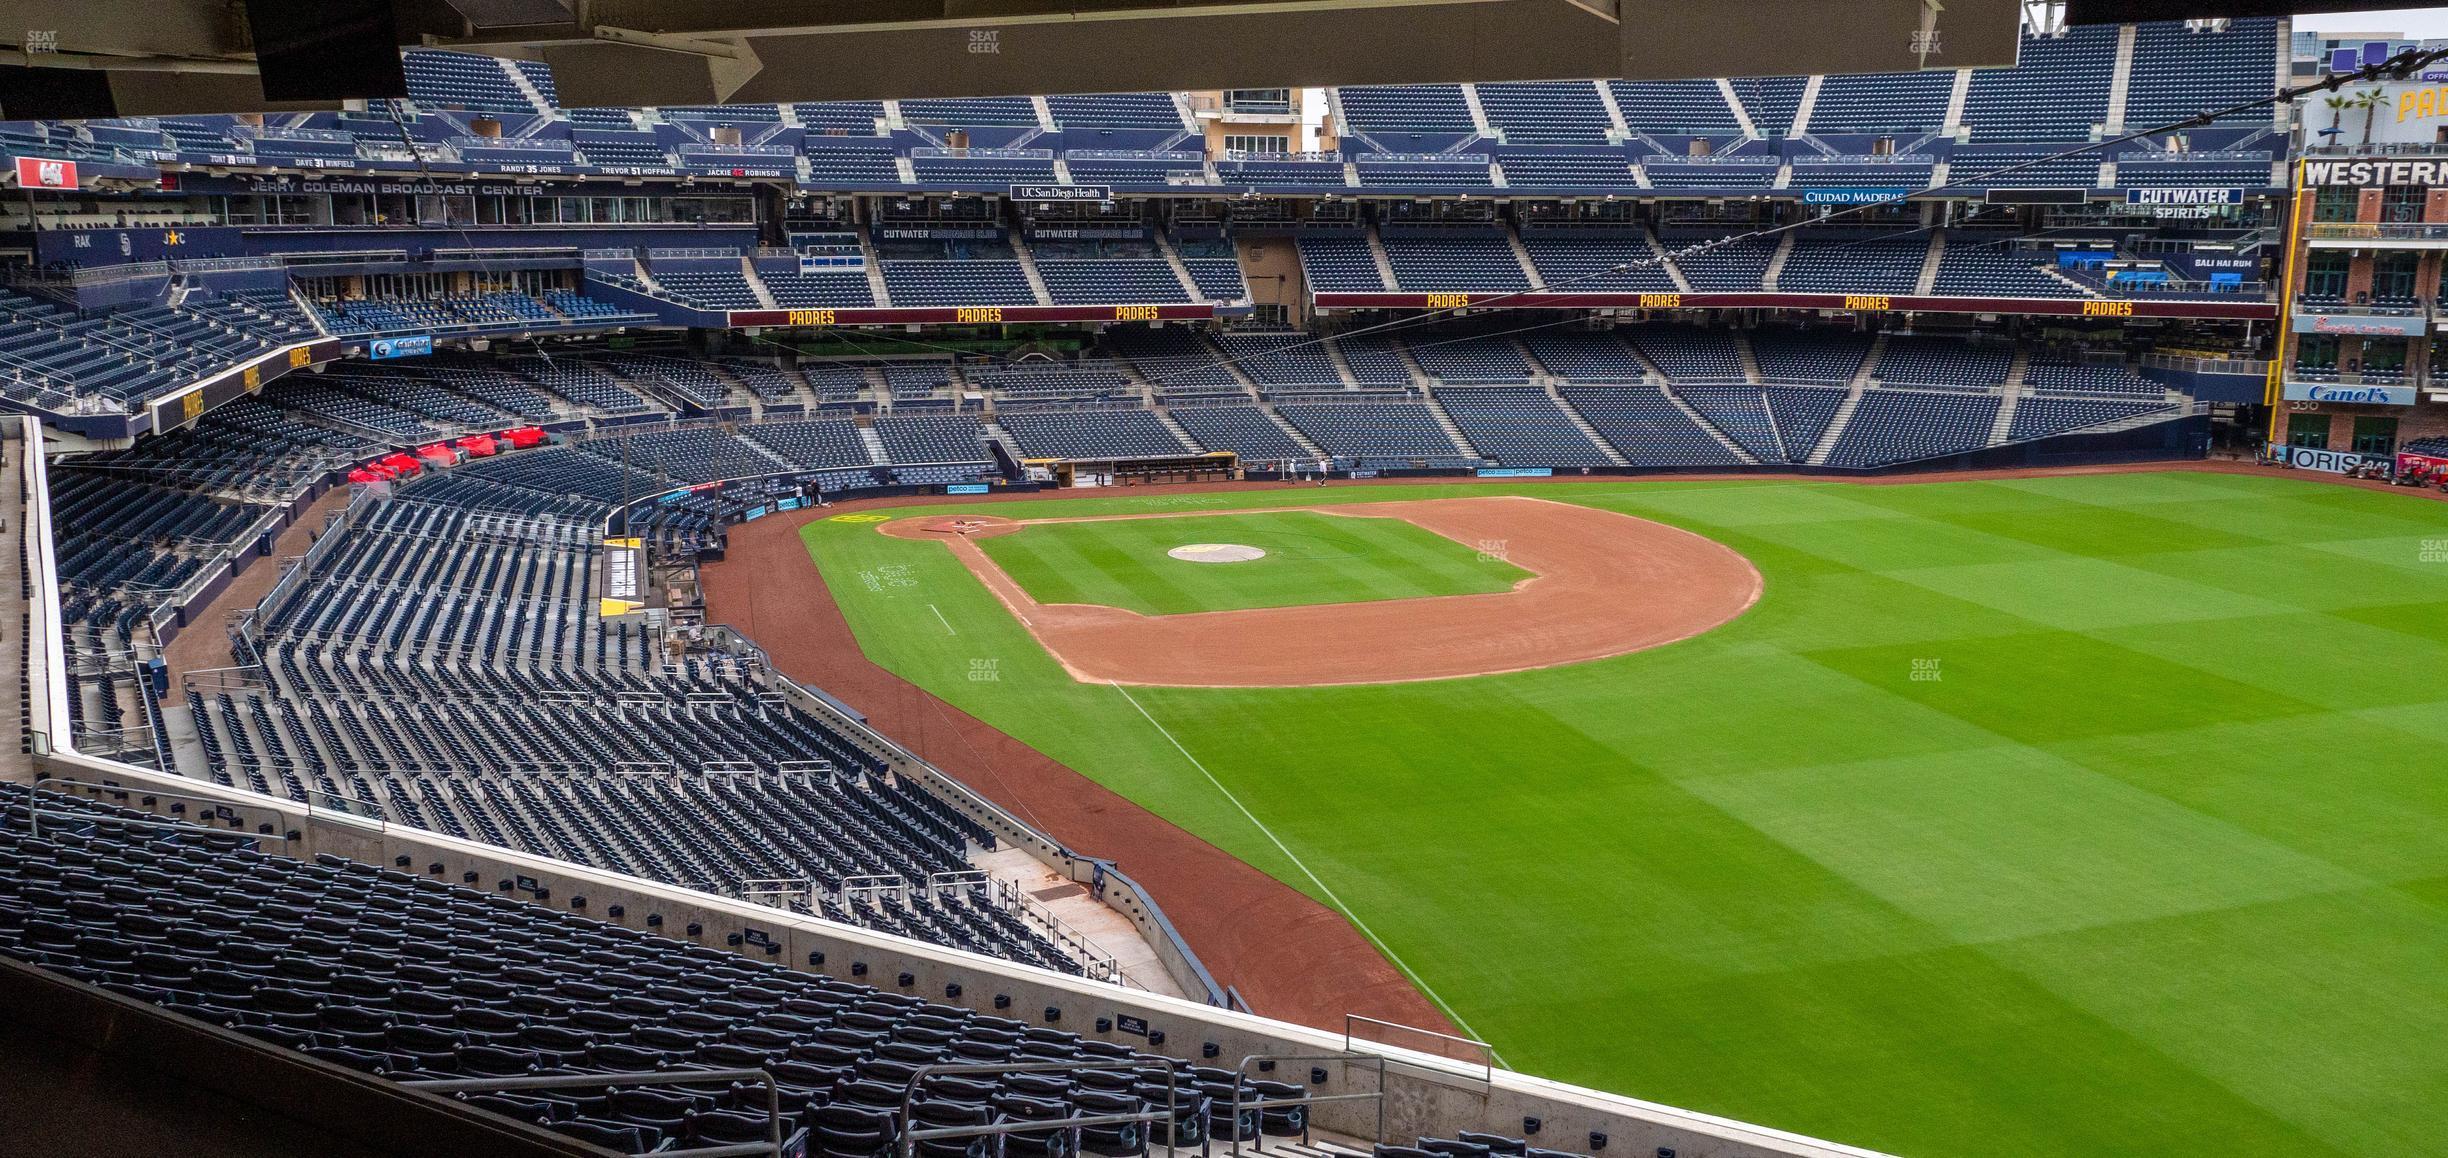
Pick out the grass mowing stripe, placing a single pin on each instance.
(1314, 879)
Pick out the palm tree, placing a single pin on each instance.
(2338, 103)
(2369, 100)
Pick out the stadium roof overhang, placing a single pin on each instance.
(173, 56)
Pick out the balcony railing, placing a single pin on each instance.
(2206, 365)
(2375, 231)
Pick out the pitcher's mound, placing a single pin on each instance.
(1216, 553)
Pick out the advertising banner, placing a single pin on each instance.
(2184, 196)
(46, 173)
(1061, 193)
(2338, 392)
(2330, 461)
(2360, 325)
(1853, 196)
(409, 347)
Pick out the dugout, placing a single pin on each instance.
(1213, 466)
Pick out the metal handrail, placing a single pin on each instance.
(773, 1098)
(1487, 1052)
(910, 1138)
(1241, 1077)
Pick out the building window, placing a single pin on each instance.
(2384, 356)
(1261, 102)
(2403, 203)
(2308, 430)
(2336, 203)
(1238, 143)
(2325, 273)
(2375, 435)
(2393, 276)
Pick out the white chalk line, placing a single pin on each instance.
(1306, 871)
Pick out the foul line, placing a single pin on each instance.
(1306, 871)
(939, 618)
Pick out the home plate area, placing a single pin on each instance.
(1216, 553)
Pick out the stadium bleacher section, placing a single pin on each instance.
(1656, 139)
(339, 959)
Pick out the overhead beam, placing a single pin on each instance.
(633, 52)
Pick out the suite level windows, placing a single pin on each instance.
(1259, 102)
(460, 211)
(282, 209)
(1254, 143)
(644, 210)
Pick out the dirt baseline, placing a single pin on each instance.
(1603, 584)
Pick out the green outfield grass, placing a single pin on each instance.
(2068, 816)
(1310, 558)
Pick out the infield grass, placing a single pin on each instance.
(2086, 815)
(1310, 558)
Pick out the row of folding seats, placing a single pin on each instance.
(1853, 266)
(1091, 434)
(1555, 112)
(1935, 361)
(2042, 417)
(1111, 279)
(1892, 426)
(410, 978)
(1173, 359)
(1340, 265)
(1809, 356)
(1978, 266)
(975, 281)
(1244, 429)
(1452, 261)
(1376, 433)
(1598, 356)
(1470, 359)
(814, 443)
(1519, 426)
(1571, 264)
(1647, 428)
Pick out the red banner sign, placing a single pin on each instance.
(46, 173)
